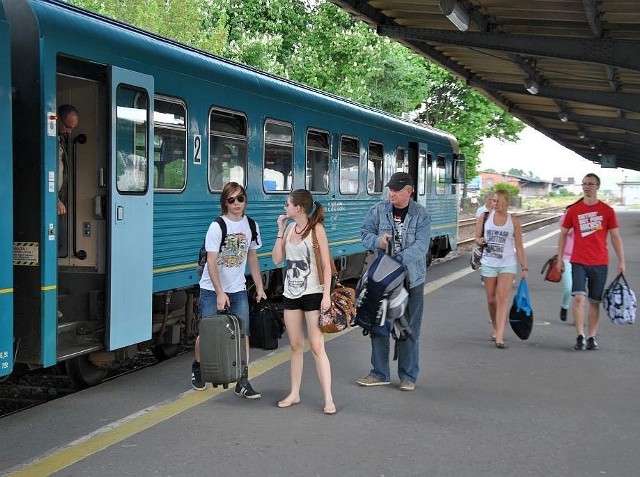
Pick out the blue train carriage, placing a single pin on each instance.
(162, 128)
(6, 203)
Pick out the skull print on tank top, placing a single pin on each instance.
(301, 276)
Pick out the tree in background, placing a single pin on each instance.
(511, 189)
(185, 21)
(318, 44)
(466, 114)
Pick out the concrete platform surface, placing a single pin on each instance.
(536, 408)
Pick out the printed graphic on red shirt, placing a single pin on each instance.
(590, 223)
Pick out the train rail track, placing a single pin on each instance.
(23, 391)
(530, 220)
(20, 392)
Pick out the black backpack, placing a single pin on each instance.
(202, 256)
(382, 298)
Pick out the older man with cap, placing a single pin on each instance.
(403, 227)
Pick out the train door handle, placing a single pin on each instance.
(119, 212)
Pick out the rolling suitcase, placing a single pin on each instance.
(266, 326)
(222, 352)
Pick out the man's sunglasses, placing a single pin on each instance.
(232, 200)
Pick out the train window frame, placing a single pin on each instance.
(441, 174)
(175, 128)
(344, 139)
(400, 153)
(132, 167)
(372, 178)
(276, 145)
(234, 141)
(430, 177)
(422, 171)
(314, 163)
(459, 168)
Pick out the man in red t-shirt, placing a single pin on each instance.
(591, 221)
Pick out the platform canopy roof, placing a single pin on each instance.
(568, 68)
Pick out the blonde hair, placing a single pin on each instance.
(503, 195)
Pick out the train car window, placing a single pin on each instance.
(170, 145)
(399, 159)
(227, 149)
(278, 156)
(441, 175)
(349, 165)
(459, 170)
(422, 172)
(429, 174)
(318, 153)
(132, 155)
(374, 168)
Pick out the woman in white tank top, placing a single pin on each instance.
(502, 238)
(304, 296)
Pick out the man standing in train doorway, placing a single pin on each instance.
(68, 119)
(405, 225)
(591, 220)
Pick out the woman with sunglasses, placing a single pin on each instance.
(223, 284)
(304, 296)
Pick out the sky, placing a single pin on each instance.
(546, 159)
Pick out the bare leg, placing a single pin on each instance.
(594, 318)
(578, 313)
(503, 290)
(295, 333)
(323, 366)
(197, 350)
(490, 284)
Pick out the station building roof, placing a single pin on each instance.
(568, 68)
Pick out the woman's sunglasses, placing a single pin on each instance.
(232, 200)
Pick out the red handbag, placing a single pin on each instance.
(551, 271)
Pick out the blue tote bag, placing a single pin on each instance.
(521, 314)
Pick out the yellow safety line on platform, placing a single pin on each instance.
(147, 418)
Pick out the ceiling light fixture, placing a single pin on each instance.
(531, 85)
(456, 13)
(564, 117)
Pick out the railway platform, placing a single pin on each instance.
(536, 408)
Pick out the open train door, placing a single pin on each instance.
(130, 208)
(6, 204)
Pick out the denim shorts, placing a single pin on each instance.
(239, 306)
(589, 277)
(309, 302)
(489, 272)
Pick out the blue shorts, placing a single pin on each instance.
(588, 277)
(309, 302)
(239, 306)
(489, 272)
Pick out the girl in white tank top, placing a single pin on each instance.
(304, 296)
(504, 249)
(500, 250)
